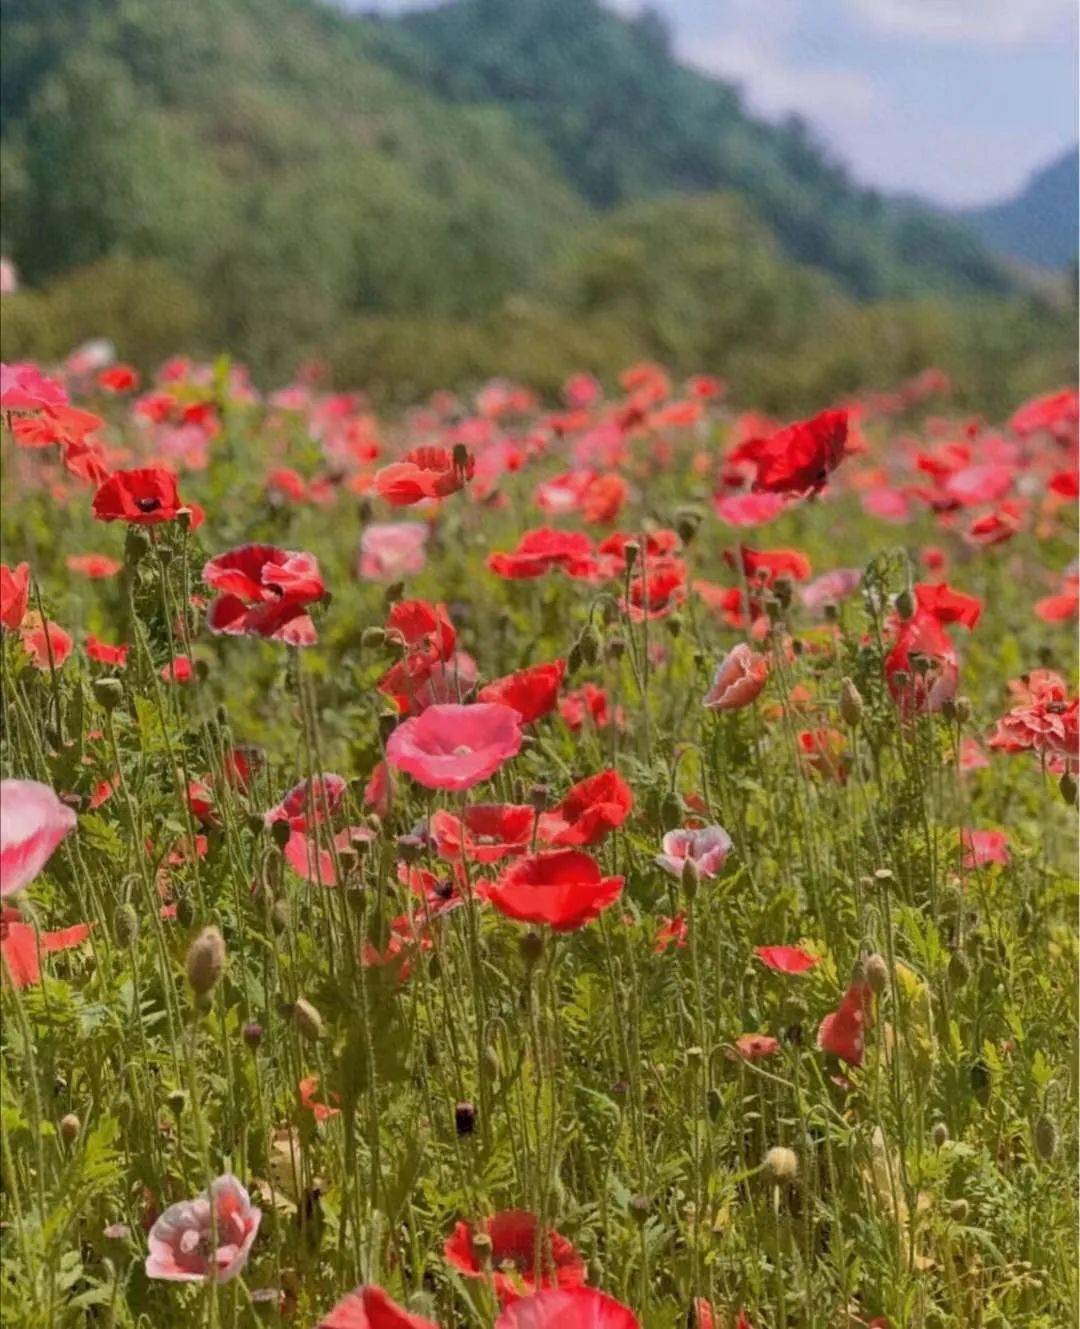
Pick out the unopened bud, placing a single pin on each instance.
(958, 1211)
(959, 970)
(876, 972)
(691, 878)
(307, 1019)
(781, 1164)
(671, 810)
(280, 833)
(531, 946)
(940, 1134)
(589, 642)
(905, 604)
(1067, 785)
(687, 521)
(539, 797)
(252, 1034)
(125, 925)
(464, 1118)
(851, 703)
(963, 709)
(280, 916)
(372, 638)
(177, 1101)
(630, 553)
(205, 961)
(108, 693)
(1045, 1138)
(639, 1209)
(70, 1126)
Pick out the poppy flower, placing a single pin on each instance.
(23, 387)
(830, 588)
(310, 802)
(95, 566)
(587, 702)
(423, 473)
(947, 605)
(749, 509)
(766, 565)
(786, 959)
(563, 888)
(369, 1307)
(800, 458)
(707, 848)
(307, 1089)
(47, 644)
(738, 679)
(1060, 608)
(755, 1047)
(984, 847)
(310, 860)
(486, 833)
(265, 592)
(182, 1240)
(118, 378)
(428, 637)
(659, 589)
(589, 810)
(1046, 725)
(144, 497)
(450, 746)
(14, 594)
(824, 751)
(567, 1308)
(391, 551)
(1058, 413)
(843, 1031)
(104, 652)
(517, 1266)
(538, 552)
(671, 932)
(33, 821)
(532, 692)
(63, 425)
(21, 946)
(178, 670)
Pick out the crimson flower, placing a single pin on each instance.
(658, 590)
(843, 1031)
(517, 1270)
(144, 497)
(539, 551)
(563, 888)
(450, 746)
(532, 692)
(567, 1308)
(265, 592)
(14, 595)
(95, 566)
(798, 459)
(104, 652)
(427, 472)
(486, 832)
(369, 1307)
(671, 932)
(118, 378)
(786, 959)
(590, 809)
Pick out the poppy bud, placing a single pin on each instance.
(687, 521)
(531, 946)
(671, 810)
(482, 1247)
(307, 1019)
(136, 545)
(940, 1134)
(590, 644)
(391, 595)
(979, 1078)
(205, 961)
(714, 1104)
(252, 1034)
(108, 693)
(185, 911)
(573, 658)
(959, 969)
(409, 847)
(963, 709)
(639, 1209)
(876, 972)
(1045, 1138)
(388, 722)
(539, 797)
(905, 604)
(70, 1126)
(125, 925)
(781, 1164)
(673, 624)
(372, 638)
(491, 1063)
(177, 1101)
(630, 553)
(464, 1118)
(1067, 785)
(280, 916)
(948, 709)
(851, 703)
(280, 833)
(691, 878)
(616, 647)
(830, 612)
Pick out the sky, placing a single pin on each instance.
(955, 100)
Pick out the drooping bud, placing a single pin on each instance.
(1067, 785)
(959, 970)
(905, 604)
(280, 916)
(589, 642)
(205, 961)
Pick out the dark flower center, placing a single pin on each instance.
(148, 504)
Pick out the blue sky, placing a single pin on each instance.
(957, 100)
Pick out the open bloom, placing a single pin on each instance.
(984, 847)
(532, 692)
(486, 833)
(182, 1240)
(448, 746)
(370, 1307)
(33, 821)
(14, 594)
(567, 1308)
(708, 848)
(264, 592)
(738, 679)
(843, 1031)
(390, 551)
(590, 809)
(21, 946)
(144, 497)
(427, 472)
(46, 643)
(563, 889)
(798, 459)
(786, 959)
(517, 1271)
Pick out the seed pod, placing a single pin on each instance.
(70, 1126)
(876, 972)
(252, 1034)
(781, 1164)
(205, 961)
(630, 553)
(1045, 1138)
(372, 638)
(963, 709)
(691, 878)
(851, 703)
(125, 925)
(539, 797)
(464, 1118)
(307, 1019)
(108, 693)
(177, 1101)
(940, 1134)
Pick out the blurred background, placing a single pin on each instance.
(804, 196)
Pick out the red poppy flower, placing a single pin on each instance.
(786, 959)
(143, 497)
(428, 636)
(603, 498)
(824, 751)
(755, 1047)
(369, 1307)
(947, 605)
(20, 950)
(1058, 414)
(671, 932)
(765, 565)
(563, 889)
(587, 702)
(567, 1308)
(178, 670)
(1046, 725)
(921, 669)
(658, 590)
(47, 644)
(95, 566)
(532, 692)
(118, 378)
(749, 509)
(105, 653)
(310, 802)
(800, 458)
(539, 551)
(265, 592)
(62, 425)
(517, 1270)
(984, 847)
(307, 1089)
(14, 595)
(994, 528)
(427, 472)
(590, 809)
(455, 747)
(843, 1031)
(1059, 608)
(491, 831)
(23, 387)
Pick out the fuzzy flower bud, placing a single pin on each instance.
(781, 1164)
(851, 703)
(205, 961)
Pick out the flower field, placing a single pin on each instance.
(560, 864)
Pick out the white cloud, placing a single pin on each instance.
(972, 22)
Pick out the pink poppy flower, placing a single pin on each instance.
(181, 1248)
(264, 592)
(738, 679)
(708, 848)
(567, 1308)
(392, 550)
(449, 746)
(23, 387)
(749, 509)
(984, 847)
(33, 821)
(830, 588)
(46, 643)
(786, 959)
(14, 594)
(754, 1047)
(370, 1307)
(488, 832)
(308, 858)
(95, 566)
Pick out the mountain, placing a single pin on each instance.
(1039, 226)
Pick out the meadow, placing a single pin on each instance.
(549, 863)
